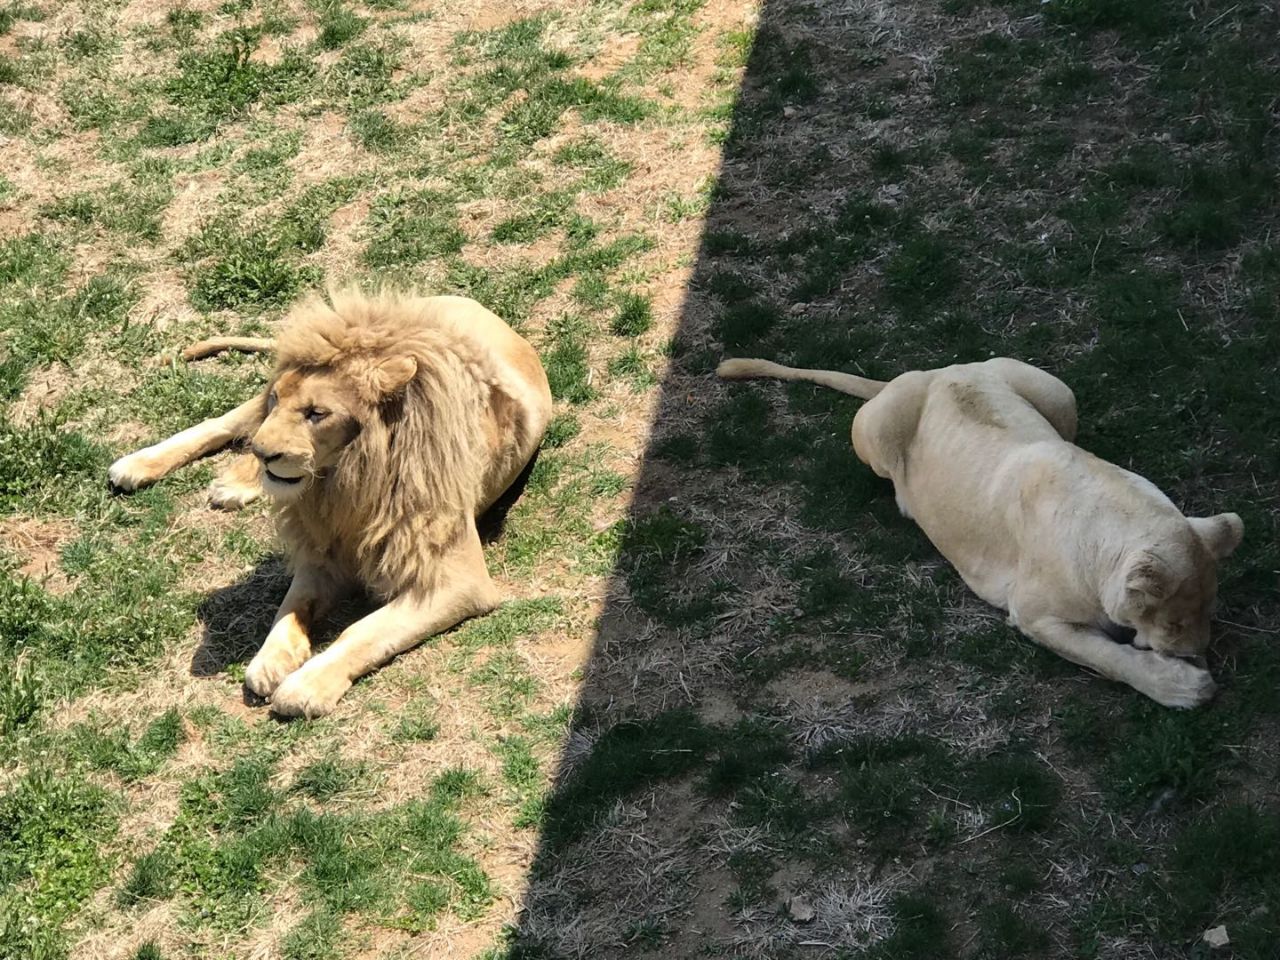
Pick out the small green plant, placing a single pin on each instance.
(152, 878)
(318, 936)
(1005, 932)
(258, 271)
(338, 24)
(40, 461)
(744, 323)
(632, 365)
(634, 315)
(568, 372)
(506, 682)
(940, 829)
(627, 756)
(408, 227)
(326, 779)
(922, 273)
(416, 722)
(1019, 791)
(53, 827)
(562, 428)
(19, 695)
(657, 549)
(920, 931)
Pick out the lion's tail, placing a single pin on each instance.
(216, 345)
(844, 382)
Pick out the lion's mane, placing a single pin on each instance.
(405, 488)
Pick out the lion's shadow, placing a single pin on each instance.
(235, 619)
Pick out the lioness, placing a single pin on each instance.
(1074, 548)
(390, 423)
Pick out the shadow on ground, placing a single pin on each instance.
(798, 734)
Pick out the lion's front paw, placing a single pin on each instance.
(311, 691)
(226, 494)
(1177, 683)
(269, 667)
(134, 471)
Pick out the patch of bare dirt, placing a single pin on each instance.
(327, 151)
(492, 14)
(344, 242)
(194, 203)
(38, 544)
(618, 48)
(44, 391)
(818, 685)
(162, 300)
(152, 13)
(119, 938)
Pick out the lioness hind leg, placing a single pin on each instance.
(1168, 681)
(238, 485)
(464, 590)
(1051, 397)
(151, 463)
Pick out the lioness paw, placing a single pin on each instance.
(131, 472)
(309, 692)
(1176, 683)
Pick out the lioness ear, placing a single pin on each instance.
(1147, 574)
(1221, 533)
(392, 374)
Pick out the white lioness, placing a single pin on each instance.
(1074, 548)
(390, 423)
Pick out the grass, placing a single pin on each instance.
(326, 779)
(131, 759)
(729, 674)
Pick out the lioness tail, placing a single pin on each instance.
(844, 382)
(209, 348)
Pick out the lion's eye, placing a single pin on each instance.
(272, 400)
(315, 415)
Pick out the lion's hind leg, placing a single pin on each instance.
(238, 485)
(148, 465)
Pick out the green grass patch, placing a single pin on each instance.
(326, 779)
(114, 749)
(408, 227)
(634, 315)
(221, 83)
(53, 831)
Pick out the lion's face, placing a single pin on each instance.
(311, 417)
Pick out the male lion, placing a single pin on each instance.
(390, 423)
(1076, 549)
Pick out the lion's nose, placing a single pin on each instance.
(263, 455)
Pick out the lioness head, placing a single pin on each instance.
(312, 417)
(1170, 590)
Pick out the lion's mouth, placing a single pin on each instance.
(286, 481)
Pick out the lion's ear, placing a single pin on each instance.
(392, 374)
(1221, 534)
(1147, 575)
